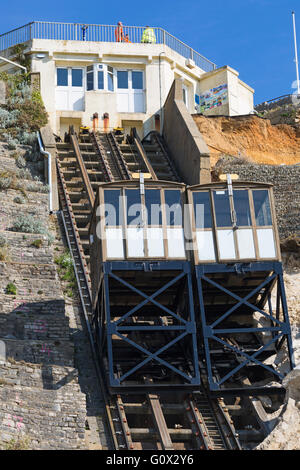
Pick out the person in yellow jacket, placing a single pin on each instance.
(149, 36)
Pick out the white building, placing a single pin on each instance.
(83, 70)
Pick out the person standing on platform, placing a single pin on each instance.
(149, 36)
(119, 34)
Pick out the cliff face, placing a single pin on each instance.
(250, 137)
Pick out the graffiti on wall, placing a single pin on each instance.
(213, 98)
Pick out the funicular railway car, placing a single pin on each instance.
(149, 238)
(238, 267)
(144, 319)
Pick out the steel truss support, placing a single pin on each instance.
(179, 330)
(257, 299)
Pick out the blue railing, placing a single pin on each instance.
(98, 33)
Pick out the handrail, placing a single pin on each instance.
(48, 154)
(158, 139)
(98, 33)
(273, 100)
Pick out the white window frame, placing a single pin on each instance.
(69, 69)
(130, 79)
(96, 69)
(130, 89)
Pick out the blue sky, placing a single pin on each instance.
(253, 36)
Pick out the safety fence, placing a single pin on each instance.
(98, 33)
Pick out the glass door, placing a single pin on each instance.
(123, 95)
(76, 92)
(130, 91)
(138, 95)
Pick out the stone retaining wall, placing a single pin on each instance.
(285, 179)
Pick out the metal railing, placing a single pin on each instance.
(98, 33)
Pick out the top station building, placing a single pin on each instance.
(118, 74)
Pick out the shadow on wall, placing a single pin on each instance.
(38, 333)
(186, 144)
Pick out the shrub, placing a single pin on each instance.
(5, 182)
(11, 143)
(19, 200)
(37, 188)
(8, 118)
(20, 162)
(24, 112)
(11, 289)
(4, 253)
(28, 224)
(24, 174)
(37, 243)
(2, 241)
(66, 272)
(19, 443)
(27, 138)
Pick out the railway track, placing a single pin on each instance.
(176, 421)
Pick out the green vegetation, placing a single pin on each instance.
(2, 241)
(29, 224)
(19, 200)
(37, 243)
(19, 443)
(8, 180)
(4, 249)
(4, 254)
(11, 289)
(66, 272)
(24, 112)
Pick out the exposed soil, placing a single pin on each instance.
(250, 137)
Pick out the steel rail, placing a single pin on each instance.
(118, 156)
(83, 171)
(119, 429)
(102, 157)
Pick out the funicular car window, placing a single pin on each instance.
(222, 208)
(113, 208)
(133, 207)
(262, 207)
(242, 207)
(153, 207)
(174, 214)
(202, 209)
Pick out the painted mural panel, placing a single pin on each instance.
(213, 98)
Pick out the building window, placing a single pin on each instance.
(100, 80)
(100, 77)
(77, 77)
(62, 77)
(90, 77)
(110, 78)
(122, 76)
(137, 80)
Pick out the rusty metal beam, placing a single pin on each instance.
(83, 171)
